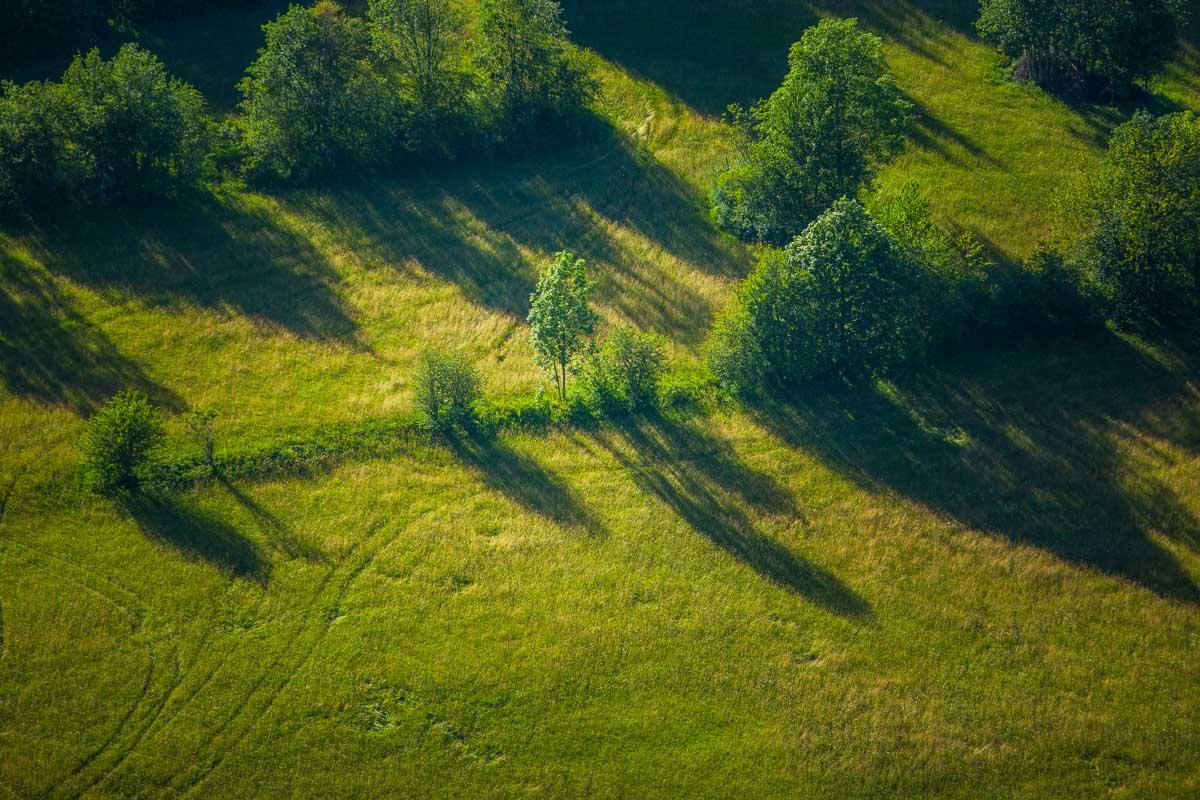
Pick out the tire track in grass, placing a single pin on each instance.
(321, 632)
(183, 774)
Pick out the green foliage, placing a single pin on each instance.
(624, 373)
(108, 130)
(839, 299)
(312, 101)
(539, 83)
(447, 388)
(1067, 44)
(422, 41)
(837, 117)
(119, 443)
(1140, 219)
(560, 317)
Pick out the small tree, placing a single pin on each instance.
(447, 388)
(560, 317)
(201, 425)
(837, 117)
(1141, 219)
(119, 443)
(626, 370)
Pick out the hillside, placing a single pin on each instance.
(981, 582)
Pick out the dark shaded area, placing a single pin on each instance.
(1026, 453)
(473, 225)
(279, 533)
(205, 250)
(702, 479)
(51, 354)
(198, 534)
(524, 481)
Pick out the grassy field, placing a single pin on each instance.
(979, 583)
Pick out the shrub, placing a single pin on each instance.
(839, 299)
(447, 389)
(820, 136)
(560, 317)
(312, 100)
(201, 424)
(119, 442)
(624, 373)
(540, 84)
(1140, 217)
(1083, 44)
(107, 130)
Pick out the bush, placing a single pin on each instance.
(201, 424)
(447, 389)
(1140, 217)
(1083, 45)
(119, 443)
(839, 299)
(540, 85)
(107, 130)
(313, 101)
(837, 117)
(624, 373)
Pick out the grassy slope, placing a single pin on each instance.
(986, 579)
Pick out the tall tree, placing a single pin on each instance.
(420, 37)
(560, 318)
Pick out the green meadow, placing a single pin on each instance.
(982, 580)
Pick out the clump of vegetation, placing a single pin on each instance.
(839, 299)
(201, 424)
(109, 129)
(1083, 45)
(560, 316)
(625, 372)
(119, 444)
(1140, 217)
(312, 101)
(538, 83)
(837, 117)
(447, 389)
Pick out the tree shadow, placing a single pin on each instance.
(485, 225)
(198, 535)
(702, 479)
(1031, 455)
(935, 135)
(215, 251)
(279, 533)
(51, 353)
(524, 481)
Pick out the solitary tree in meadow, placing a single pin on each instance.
(560, 317)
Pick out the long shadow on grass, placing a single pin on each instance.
(216, 251)
(1031, 454)
(703, 480)
(524, 481)
(280, 534)
(486, 226)
(52, 354)
(198, 534)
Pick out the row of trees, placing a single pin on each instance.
(1089, 46)
(328, 92)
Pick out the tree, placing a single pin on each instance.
(526, 55)
(839, 299)
(312, 100)
(1140, 219)
(837, 117)
(447, 387)
(559, 316)
(107, 130)
(201, 424)
(421, 39)
(1083, 44)
(119, 442)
